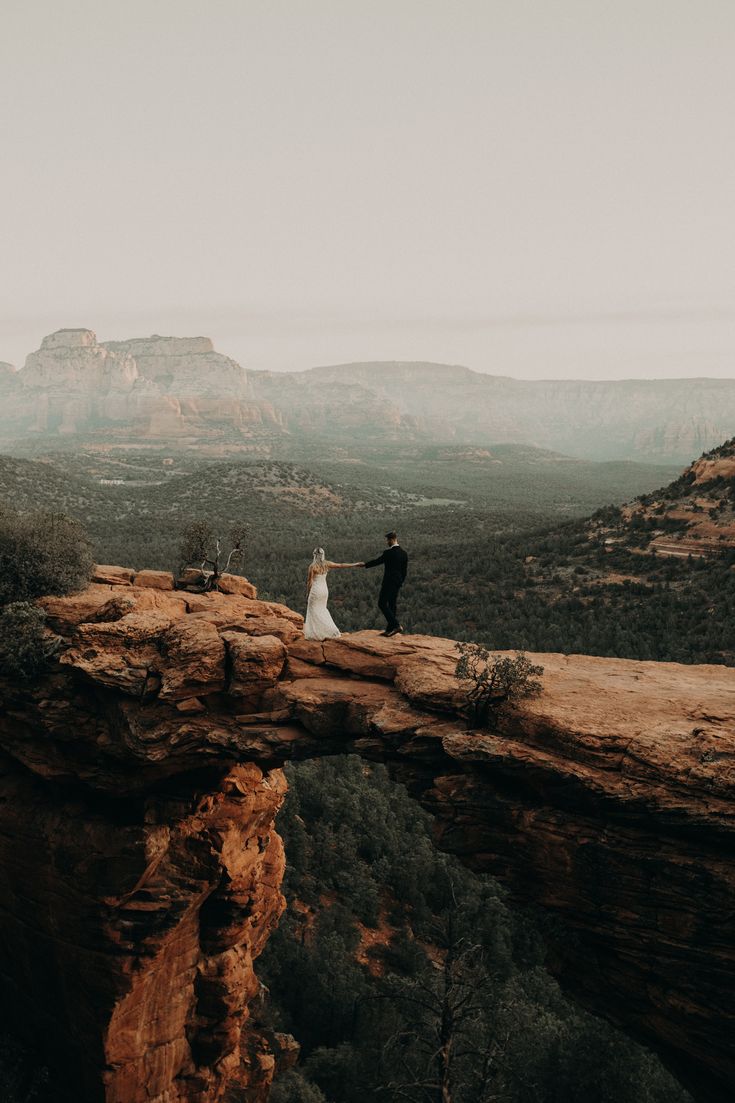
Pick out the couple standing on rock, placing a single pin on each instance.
(319, 624)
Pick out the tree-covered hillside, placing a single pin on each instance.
(404, 976)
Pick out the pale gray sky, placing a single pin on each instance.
(530, 187)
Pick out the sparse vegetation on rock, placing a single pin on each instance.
(203, 548)
(25, 646)
(492, 681)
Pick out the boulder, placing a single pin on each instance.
(271, 625)
(308, 651)
(191, 705)
(120, 654)
(362, 657)
(154, 580)
(431, 685)
(255, 662)
(236, 584)
(112, 576)
(63, 614)
(193, 661)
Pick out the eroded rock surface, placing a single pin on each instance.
(156, 388)
(141, 778)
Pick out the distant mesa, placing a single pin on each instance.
(180, 389)
(164, 346)
(187, 365)
(69, 338)
(152, 388)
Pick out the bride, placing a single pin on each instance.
(319, 624)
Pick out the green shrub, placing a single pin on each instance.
(493, 681)
(293, 1088)
(24, 646)
(41, 553)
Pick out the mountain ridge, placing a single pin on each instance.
(180, 390)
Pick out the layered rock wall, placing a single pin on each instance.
(130, 930)
(156, 388)
(179, 389)
(141, 865)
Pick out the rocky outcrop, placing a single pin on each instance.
(694, 515)
(155, 388)
(142, 777)
(130, 930)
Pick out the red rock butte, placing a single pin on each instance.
(141, 866)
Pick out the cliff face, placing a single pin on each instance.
(157, 388)
(650, 420)
(130, 929)
(141, 867)
(181, 389)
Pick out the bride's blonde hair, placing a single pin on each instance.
(318, 557)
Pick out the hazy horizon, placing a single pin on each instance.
(615, 347)
(533, 190)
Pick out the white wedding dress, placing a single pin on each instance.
(319, 624)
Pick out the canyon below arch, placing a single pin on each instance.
(141, 866)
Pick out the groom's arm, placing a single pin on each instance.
(376, 562)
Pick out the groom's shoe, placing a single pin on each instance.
(394, 631)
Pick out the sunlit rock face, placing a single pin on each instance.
(157, 388)
(140, 866)
(133, 929)
(185, 366)
(71, 360)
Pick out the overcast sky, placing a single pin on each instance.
(537, 188)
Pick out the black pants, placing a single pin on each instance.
(387, 602)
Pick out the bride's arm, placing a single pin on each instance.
(342, 566)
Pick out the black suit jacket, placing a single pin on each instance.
(395, 562)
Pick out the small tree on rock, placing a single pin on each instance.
(492, 681)
(203, 547)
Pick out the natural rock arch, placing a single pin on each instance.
(141, 867)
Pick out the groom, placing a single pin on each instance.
(395, 563)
